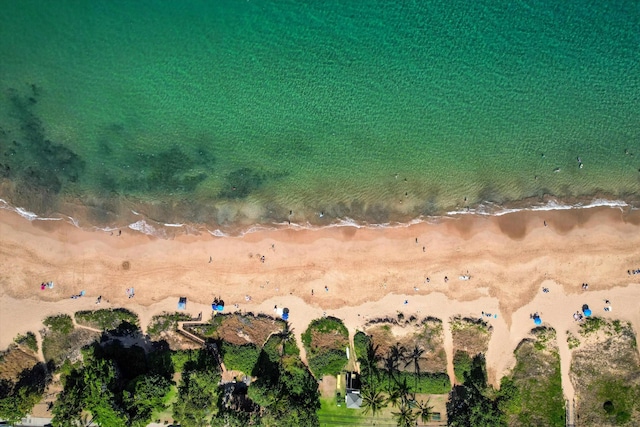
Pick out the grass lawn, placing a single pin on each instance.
(330, 414)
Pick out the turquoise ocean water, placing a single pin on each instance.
(239, 112)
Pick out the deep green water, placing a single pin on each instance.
(357, 109)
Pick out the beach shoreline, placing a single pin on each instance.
(166, 220)
(367, 272)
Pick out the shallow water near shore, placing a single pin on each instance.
(234, 114)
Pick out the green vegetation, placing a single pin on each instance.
(324, 325)
(328, 362)
(165, 322)
(325, 341)
(61, 324)
(475, 403)
(426, 383)
(460, 324)
(18, 397)
(592, 324)
(619, 399)
(198, 392)
(572, 340)
(27, 340)
(239, 357)
(115, 384)
(391, 387)
(461, 365)
(285, 390)
(61, 341)
(545, 338)
(180, 357)
(604, 371)
(106, 319)
(360, 342)
(332, 414)
(536, 398)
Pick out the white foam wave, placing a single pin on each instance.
(25, 213)
(71, 220)
(143, 227)
(217, 233)
(552, 205)
(174, 225)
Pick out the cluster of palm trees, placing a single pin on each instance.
(378, 394)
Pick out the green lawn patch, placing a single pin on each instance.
(330, 414)
(425, 383)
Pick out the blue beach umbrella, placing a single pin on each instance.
(537, 320)
(586, 310)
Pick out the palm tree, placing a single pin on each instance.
(404, 391)
(390, 366)
(371, 360)
(397, 351)
(395, 397)
(372, 401)
(405, 416)
(424, 410)
(392, 361)
(414, 357)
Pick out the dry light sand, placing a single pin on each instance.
(368, 272)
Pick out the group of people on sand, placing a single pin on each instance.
(76, 296)
(46, 285)
(636, 271)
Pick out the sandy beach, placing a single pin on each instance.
(353, 273)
